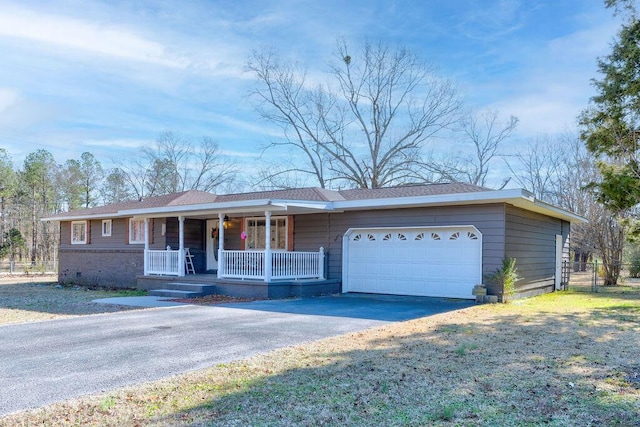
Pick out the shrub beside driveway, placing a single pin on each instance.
(560, 359)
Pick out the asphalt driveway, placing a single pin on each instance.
(45, 362)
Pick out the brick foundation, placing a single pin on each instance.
(101, 267)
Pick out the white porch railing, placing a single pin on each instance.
(248, 264)
(166, 263)
(284, 265)
(242, 265)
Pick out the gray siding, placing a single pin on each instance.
(193, 239)
(530, 238)
(506, 231)
(108, 260)
(118, 239)
(327, 229)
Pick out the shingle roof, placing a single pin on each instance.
(195, 197)
(410, 191)
(191, 197)
(308, 193)
(326, 195)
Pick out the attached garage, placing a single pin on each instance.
(421, 261)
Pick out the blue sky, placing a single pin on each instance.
(109, 77)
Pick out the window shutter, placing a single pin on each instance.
(290, 222)
(70, 233)
(151, 233)
(88, 231)
(127, 231)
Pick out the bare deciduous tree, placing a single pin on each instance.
(560, 172)
(115, 188)
(484, 131)
(8, 187)
(79, 181)
(537, 167)
(176, 164)
(365, 127)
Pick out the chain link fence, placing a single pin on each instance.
(41, 267)
(590, 276)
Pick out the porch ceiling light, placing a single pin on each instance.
(226, 222)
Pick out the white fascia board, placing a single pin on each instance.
(205, 208)
(517, 197)
(433, 200)
(227, 207)
(323, 206)
(72, 217)
(550, 210)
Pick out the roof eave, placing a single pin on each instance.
(240, 206)
(71, 217)
(516, 197)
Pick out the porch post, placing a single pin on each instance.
(321, 263)
(220, 245)
(146, 246)
(181, 246)
(267, 247)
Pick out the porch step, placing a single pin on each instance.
(184, 286)
(182, 290)
(172, 293)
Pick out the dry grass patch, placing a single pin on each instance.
(36, 298)
(564, 359)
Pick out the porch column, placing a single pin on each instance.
(221, 262)
(267, 247)
(146, 246)
(181, 246)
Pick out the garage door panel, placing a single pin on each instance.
(428, 261)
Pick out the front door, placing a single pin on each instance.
(212, 244)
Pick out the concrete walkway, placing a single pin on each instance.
(147, 301)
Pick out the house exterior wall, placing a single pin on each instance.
(506, 231)
(193, 239)
(101, 267)
(105, 261)
(327, 229)
(531, 239)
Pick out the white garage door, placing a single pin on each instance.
(426, 261)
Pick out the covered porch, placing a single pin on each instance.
(262, 256)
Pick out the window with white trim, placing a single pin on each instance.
(136, 230)
(78, 232)
(106, 228)
(256, 233)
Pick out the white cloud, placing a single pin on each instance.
(241, 154)
(117, 143)
(92, 37)
(8, 98)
